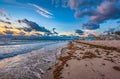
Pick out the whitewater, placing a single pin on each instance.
(34, 60)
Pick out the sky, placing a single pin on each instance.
(66, 15)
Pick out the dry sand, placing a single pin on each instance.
(89, 60)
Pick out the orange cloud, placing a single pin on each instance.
(17, 32)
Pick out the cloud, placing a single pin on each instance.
(107, 10)
(42, 11)
(98, 11)
(18, 31)
(34, 26)
(78, 31)
(76, 4)
(80, 14)
(66, 33)
(93, 32)
(10, 31)
(9, 26)
(43, 14)
(54, 32)
(90, 26)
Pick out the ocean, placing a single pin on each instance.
(18, 47)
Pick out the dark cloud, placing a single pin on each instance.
(8, 32)
(34, 26)
(76, 4)
(87, 12)
(107, 10)
(98, 11)
(54, 32)
(90, 26)
(80, 32)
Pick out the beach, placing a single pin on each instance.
(63, 60)
(89, 60)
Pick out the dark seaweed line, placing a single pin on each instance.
(100, 46)
(63, 59)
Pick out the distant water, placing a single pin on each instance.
(20, 47)
(18, 42)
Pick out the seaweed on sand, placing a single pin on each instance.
(116, 68)
(89, 55)
(63, 60)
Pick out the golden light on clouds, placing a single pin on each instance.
(6, 28)
(66, 33)
(17, 32)
(34, 33)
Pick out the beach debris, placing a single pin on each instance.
(88, 54)
(103, 64)
(70, 45)
(109, 59)
(116, 68)
(97, 51)
(63, 60)
(107, 53)
(49, 68)
(67, 65)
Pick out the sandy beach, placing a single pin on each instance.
(89, 60)
(63, 60)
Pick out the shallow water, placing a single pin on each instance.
(20, 47)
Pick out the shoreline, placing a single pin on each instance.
(37, 64)
(63, 60)
(14, 50)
